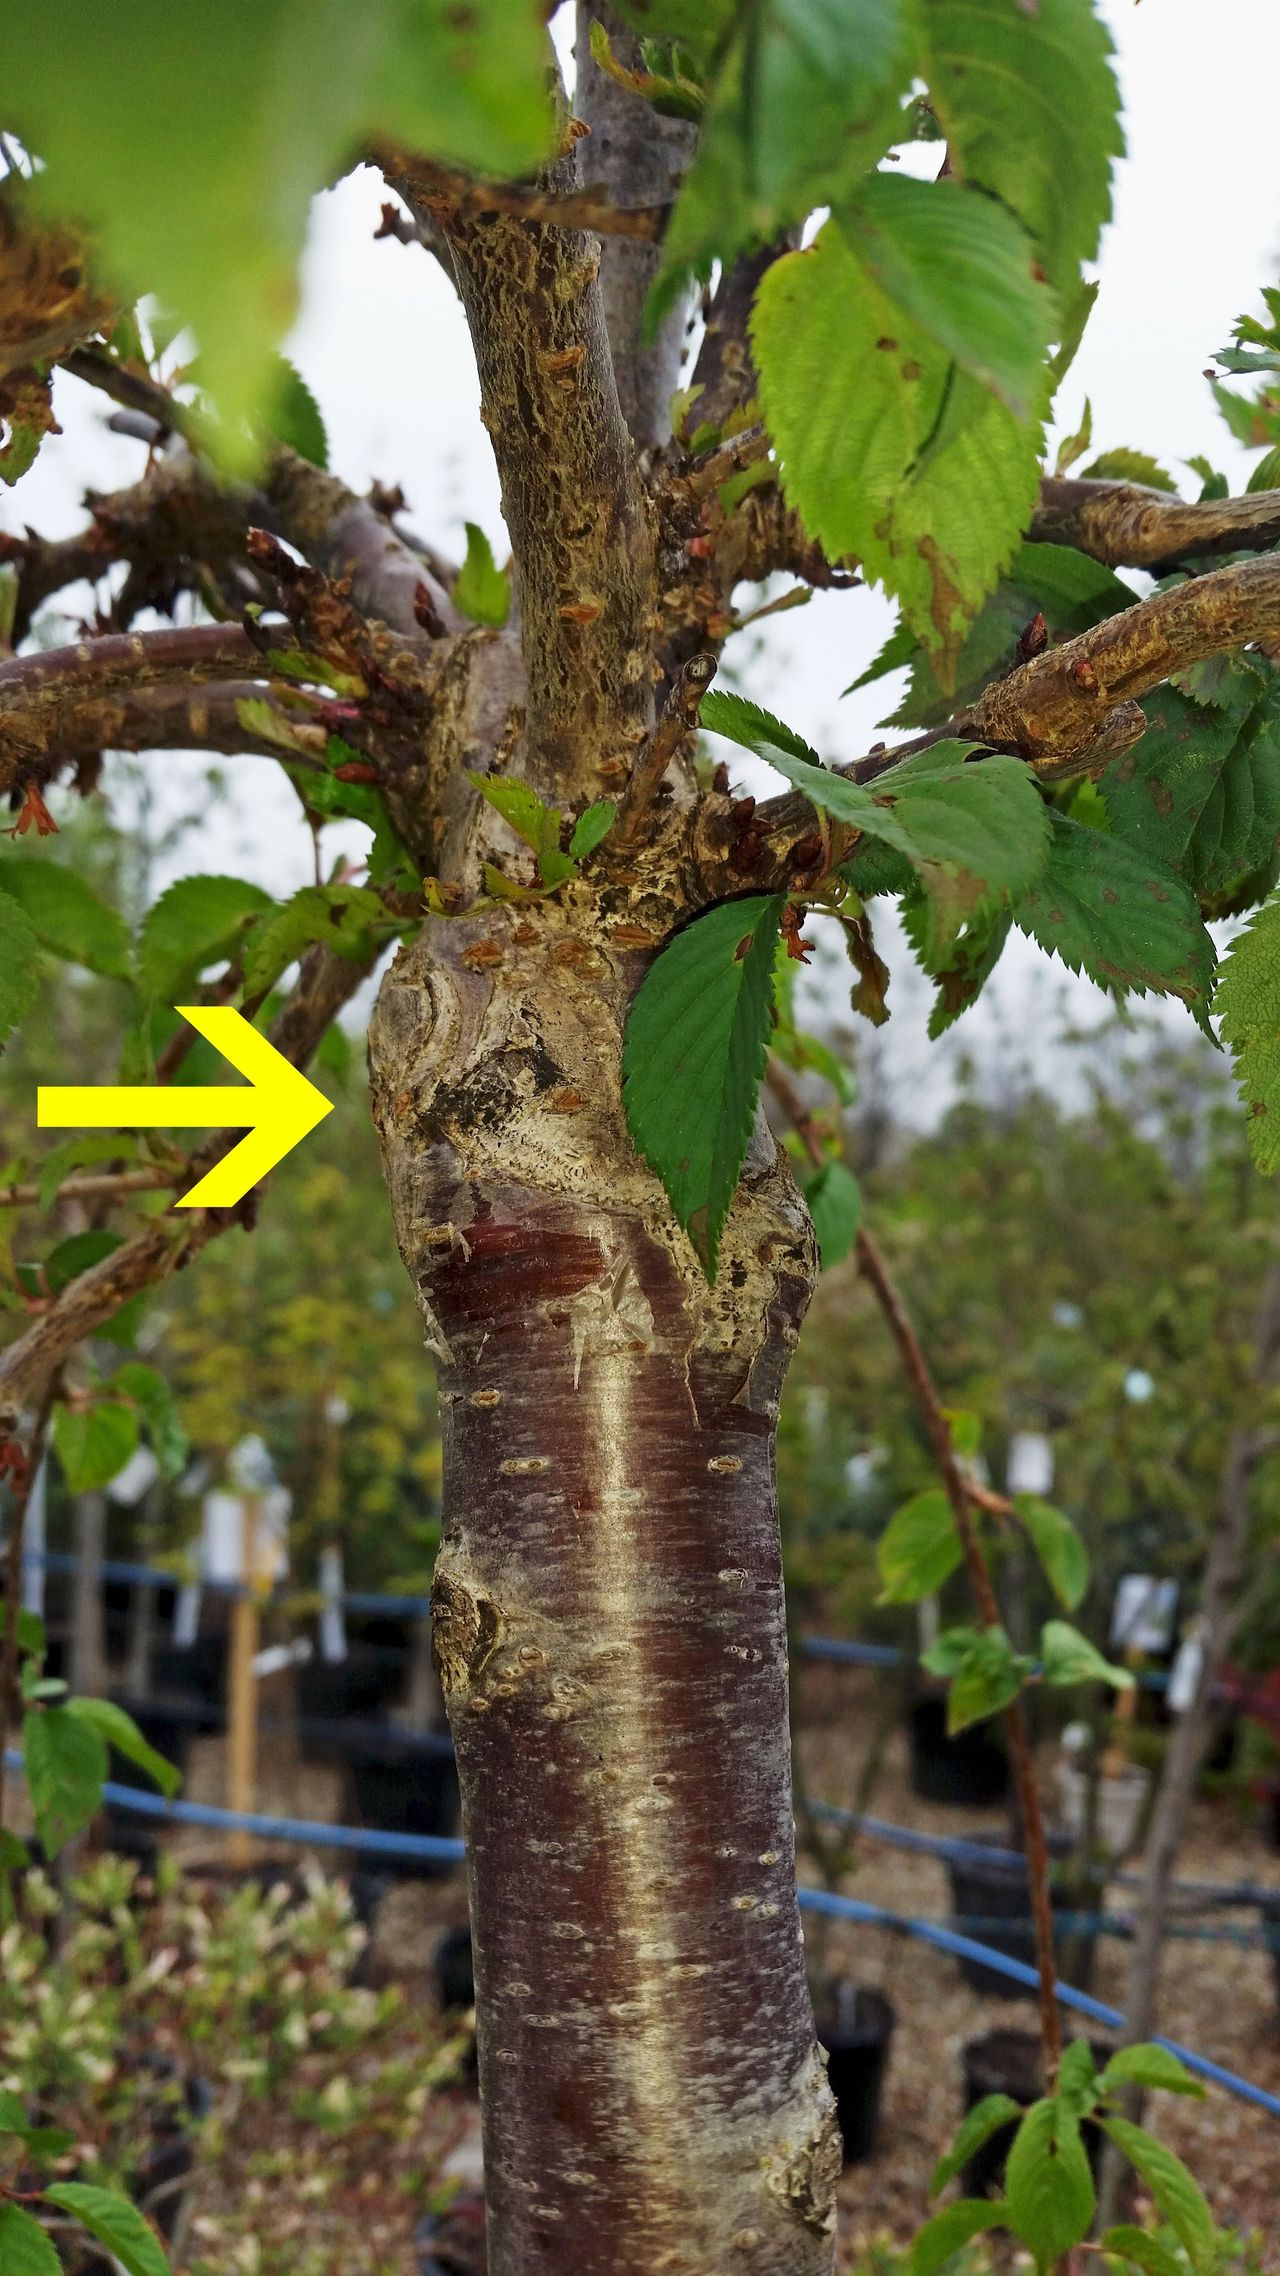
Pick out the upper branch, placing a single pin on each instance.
(1129, 527)
(571, 492)
(37, 692)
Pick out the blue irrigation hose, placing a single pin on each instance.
(441, 1850)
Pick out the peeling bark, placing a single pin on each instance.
(608, 1620)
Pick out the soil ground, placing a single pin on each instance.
(297, 2193)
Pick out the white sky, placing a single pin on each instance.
(383, 344)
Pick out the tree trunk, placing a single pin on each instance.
(608, 1621)
(88, 1670)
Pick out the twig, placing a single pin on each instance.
(1129, 527)
(19, 1502)
(679, 718)
(108, 1185)
(445, 190)
(731, 457)
(136, 391)
(875, 1270)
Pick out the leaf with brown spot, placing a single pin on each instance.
(1109, 912)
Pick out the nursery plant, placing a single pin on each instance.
(611, 1252)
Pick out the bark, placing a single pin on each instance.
(608, 1619)
(641, 159)
(88, 1621)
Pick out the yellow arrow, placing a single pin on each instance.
(280, 1106)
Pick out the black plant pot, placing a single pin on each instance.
(1269, 1910)
(1012, 2063)
(454, 1969)
(995, 1893)
(452, 2243)
(855, 2026)
(196, 1671)
(970, 1771)
(338, 1691)
(406, 1783)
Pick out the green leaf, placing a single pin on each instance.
(701, 27)
(19, 965)
(956, 2225)
(1107, 911)
(953, 1647)
(918, 1549)
(198, 922)
(1068, 1657)
(25, 2248)
(1248, 1007)
(1078, 2084)
(347, 918)
(694, 1055)
(94, 1443)
(964, 269)
(1128, 466)
(990, 1675)
(961, 966)
(159, 1411)
(1029, 107)
(1153, 2066)
(1058, 1546)
(976, 831)
(121, 1732)
(592, 828)
(521, 809)
(1048, 2183)
(481, 589)
(76, 1255)
(31, 1630)
(1070, 591)
(65, 1763)
(189, 143)
(985, 2119)
(114, 2222)
(888, 452)
(1200, 792)
(294, 416)
(1144, 2251)
(66, 914)
(835, 1205)
(1175, 2193)
(77, 1154)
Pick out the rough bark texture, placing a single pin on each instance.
(608, 1619)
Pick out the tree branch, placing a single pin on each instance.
(679, 718)
(1129, 527)
(325, 983)
(39, 691)
(641, 158)
(105, 1185)
(576, 510)
(456, 199)
(19, 1501)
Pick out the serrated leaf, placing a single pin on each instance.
(121, 1732)
(94, 1443)
(1177, 2195)
(1247, 1004)
(64, 1763)
(592, 828)
(158, 1408)
(1129, 924)
(189, 142)
(989, 1676)
(481, 589)
(1068, 1657)
(963, 268)
(1058, 1546)
(19, 964)
(1200, 792)
(114, 2222)
(1048, 2184)
(835, 1205)
(985, 2119)
(26, 2249)
(295, 417)
(694, 1055)
(521, 809)
(918, 1549)
(889, 453)
(1128, 466)
(1029, 106)
(1149, 2065)
(962, 966)
(66, 914)
(198, 922)
(938, 2242)
(349, 919)
(1143, 2250)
